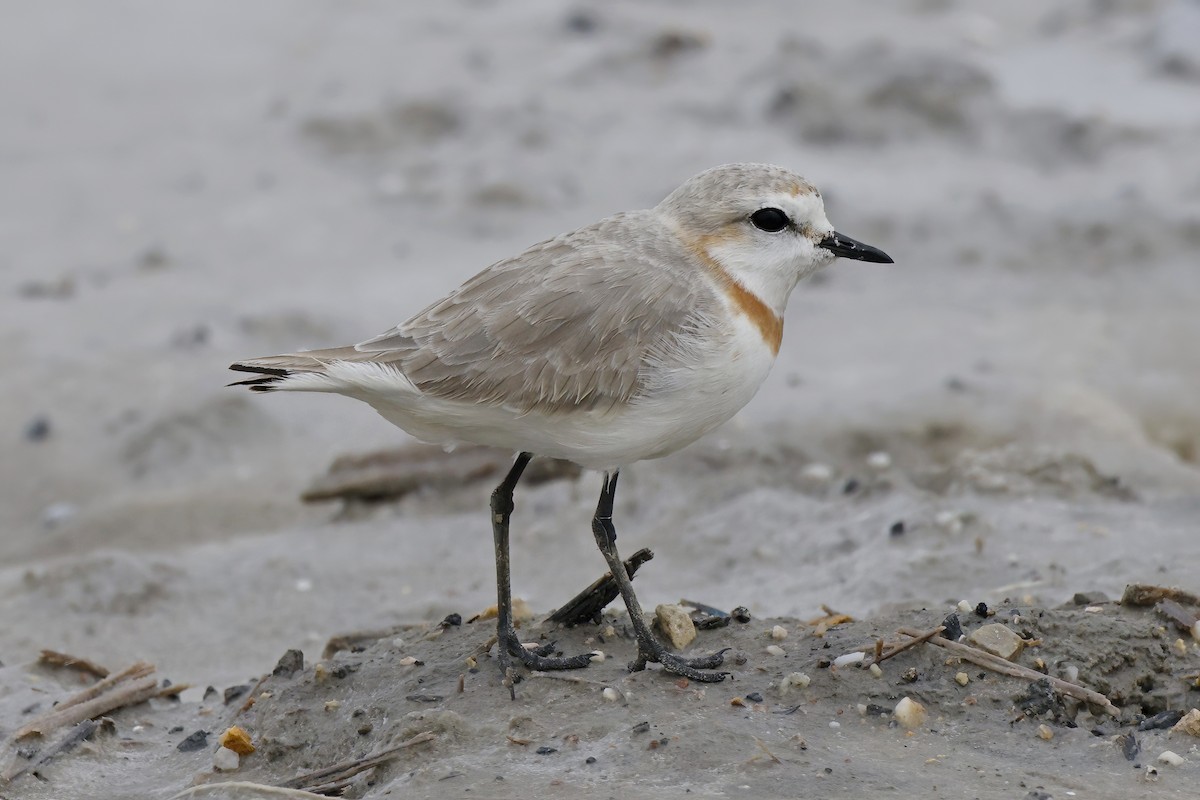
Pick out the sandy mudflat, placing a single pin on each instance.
(185, 186)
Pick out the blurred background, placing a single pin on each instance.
(1009, 410)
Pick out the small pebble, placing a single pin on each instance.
(879, 460)
(546, 751)
(407, 661)
(909, 713)
(38, 429)
(1171, 757)
(896, 528)
(910, 675)
(981, 610)
(1151, 774)
(196, 741)
(226, 760)
(333, 705)
(962, 678)
(999, 640)
(1044, 732)
(641, 727)
(779, 633)
(1189, 723)
(776, 650)
(676, 623)
(742, 614)
(1180, 647)
(876, 670)
(964, 607)
(755, 697)
(610, 694)
(849, 658)
(596, 656)
(835, 724)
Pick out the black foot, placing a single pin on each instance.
(690, 668)
(510, 646)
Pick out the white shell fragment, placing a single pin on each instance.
(597, 656)
(610, 694)
(779, 633)
(909, 713)
(1171, 757)
(776, 650)
(965, 607)
(227, 760)
(879, 460)
(876, 670)
(817, 472)
(1044, 732)
(407, 661)
(796, 680)
(849, 658)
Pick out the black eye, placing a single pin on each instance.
(771, 220)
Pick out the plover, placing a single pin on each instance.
(621, 341)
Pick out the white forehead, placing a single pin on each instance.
(718, 196)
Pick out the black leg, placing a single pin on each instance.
(649, 647)
(508, 644)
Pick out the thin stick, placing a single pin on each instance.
(997, 664)
(139, 670)
(347, 769)
(897, 649)
(137, 692)
(576, 679)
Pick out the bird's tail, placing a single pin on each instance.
(305, 372)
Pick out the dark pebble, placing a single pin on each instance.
(590, 760)
(289, 664)
(981, 610)
(910, 675)
(897, 528)
(196, 741)
(452, 620)
(1166, 719)
(1129, 746)
(176, 729)
(850, 486)
(876, 710)
(365, 728)
(546, 751)
(38, 429)
(234, 692)
(953, 628)
(641, 727)
(824, 663)
(755, 697)
(740, 614)
(211, 691)
(1089, 598)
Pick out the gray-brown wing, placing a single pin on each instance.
(570, 323)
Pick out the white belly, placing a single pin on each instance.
(686, 400)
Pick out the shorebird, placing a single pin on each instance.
(624, 340)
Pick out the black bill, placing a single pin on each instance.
(841, 245)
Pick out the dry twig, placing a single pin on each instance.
(54, 658)
(997, 664)
(102, 697)
(337, 776)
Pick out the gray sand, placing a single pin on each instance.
(188, 185)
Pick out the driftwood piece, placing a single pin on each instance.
(65, 744)
(137, 691)
(588, 604)
(1142, 595)
(387, 475)
(997, 664)
(53, 658)
(336, 777)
